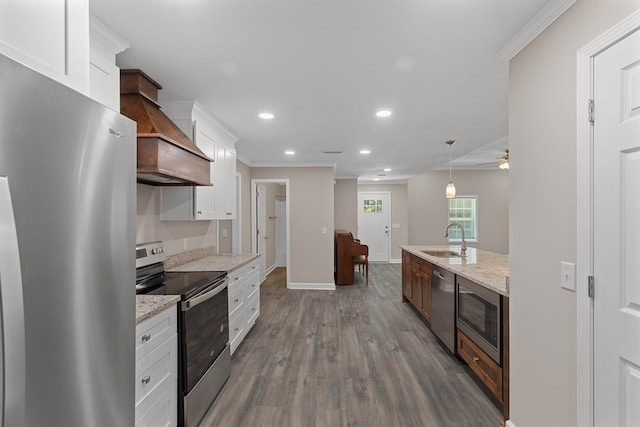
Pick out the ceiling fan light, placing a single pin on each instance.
(450, 191)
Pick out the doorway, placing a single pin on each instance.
(264, 226)
(374, 223)
(608, 194)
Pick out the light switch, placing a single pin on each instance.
(394, 225)
(324, 230)
(225, 232)
(568, 275)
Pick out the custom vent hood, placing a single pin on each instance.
(166, 156)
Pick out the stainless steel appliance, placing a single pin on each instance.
(204, 359)
(443, 305)
(67, 227)
(479, 316)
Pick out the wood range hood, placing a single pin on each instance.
(165, 155)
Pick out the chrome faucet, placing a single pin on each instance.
(463, 249)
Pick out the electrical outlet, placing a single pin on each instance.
(324, 230)
(225, 232)
(184, 243)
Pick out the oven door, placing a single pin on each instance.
(205, 328)
(479, 316)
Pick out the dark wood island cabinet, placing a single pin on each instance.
(416, 290)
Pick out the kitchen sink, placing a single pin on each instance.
(442, 253)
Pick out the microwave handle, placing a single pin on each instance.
(12, 322)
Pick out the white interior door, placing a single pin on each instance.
(616, 231)
(374, 216)
(261, 229)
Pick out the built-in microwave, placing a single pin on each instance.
(479, 316)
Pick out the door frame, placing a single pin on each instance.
(254, 207)
(584, 244)
(388, 194)
(236, 229)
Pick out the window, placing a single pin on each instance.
(372, 206)
(464, 211)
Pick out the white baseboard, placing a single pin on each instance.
(270, 269)
(395, 261)
(313, 286)
(510, 423)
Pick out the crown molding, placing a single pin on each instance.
(532, 29)
(105, 35)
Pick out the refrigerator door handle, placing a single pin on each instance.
(12, 322)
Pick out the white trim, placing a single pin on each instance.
(510, 423)
(312, 286)
(270, 269)
(532, 29)
(105, 35)
(584, 223)
(236, 224)
(395, 261)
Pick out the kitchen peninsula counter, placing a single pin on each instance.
(223, 262)
(149, 305)
(488, 269)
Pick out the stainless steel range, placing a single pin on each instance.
(204, 359)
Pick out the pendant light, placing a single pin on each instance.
(450, 191)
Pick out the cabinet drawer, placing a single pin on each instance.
(489, 372)
(162, 411)
(422, 264)
(152, 332)
(237, 297)
(253, 309)
(237, 329)
(152, 370)
(253, 285)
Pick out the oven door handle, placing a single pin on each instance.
(189, 304)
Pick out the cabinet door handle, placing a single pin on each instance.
(146, 380)
(146, 337)
(236, 300)
(228, 213)
(476, 359)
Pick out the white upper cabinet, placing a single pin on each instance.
(104, 75)
(216, 141)
(51, 36)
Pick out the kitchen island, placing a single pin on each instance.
(488, 269)
(464, 301)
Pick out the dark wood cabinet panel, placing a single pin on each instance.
(486, 369)
(416, 283)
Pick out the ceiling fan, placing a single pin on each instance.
(502, 163)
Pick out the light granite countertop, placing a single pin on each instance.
(150, 305)
(488, 269)
(222, 262)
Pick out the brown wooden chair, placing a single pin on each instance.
(360, 257)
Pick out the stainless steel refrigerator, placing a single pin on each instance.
(67, 243)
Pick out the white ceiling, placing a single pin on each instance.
(324, 67)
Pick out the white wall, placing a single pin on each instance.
(178, 236)
(245, 215)
(399, 215)
(311, 210)
(542, 150)
(428, 207)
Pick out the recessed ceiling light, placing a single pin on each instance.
(383, 113)
(266, 116)
(387, 169)
(365, 151)
(289, 152)
(376, 179)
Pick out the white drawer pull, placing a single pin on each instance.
(146, 380)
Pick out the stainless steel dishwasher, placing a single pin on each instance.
(443, 305)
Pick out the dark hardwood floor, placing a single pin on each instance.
(356, 356)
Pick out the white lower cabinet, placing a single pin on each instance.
(156, 370)
(244, 301)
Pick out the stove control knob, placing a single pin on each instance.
(154, 251)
